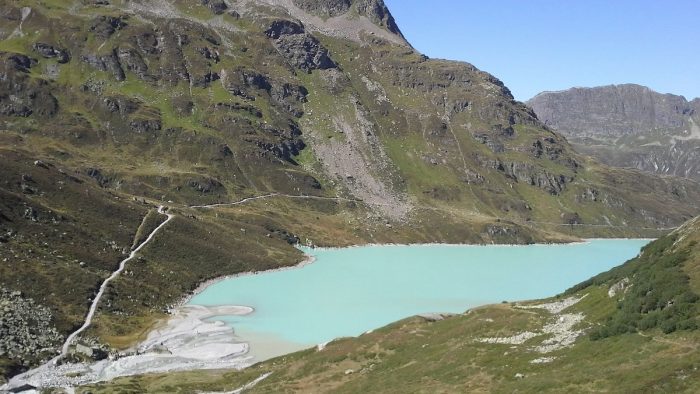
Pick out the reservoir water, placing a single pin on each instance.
(348, 291)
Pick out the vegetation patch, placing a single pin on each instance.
(658, 294)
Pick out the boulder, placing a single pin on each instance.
(216, 6)
(48, 51)
(104, 26)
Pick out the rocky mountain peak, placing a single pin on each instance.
(627, 125)
(378, 13)
(347, 19)
(611, 110)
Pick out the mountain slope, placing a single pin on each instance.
(110, 109)
(632, 329)
(627, 126)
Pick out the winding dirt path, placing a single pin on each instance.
(293, 196)
(103, 287)
(21, 379)
(271, 195)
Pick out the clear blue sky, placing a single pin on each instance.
(536, 45)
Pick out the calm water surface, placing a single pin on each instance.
(349, 291)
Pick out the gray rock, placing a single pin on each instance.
(289, 97)
(120, 105)
(305, 52)
(22, 95)
(31, 214)
(301, 49)
(20, 62)
(148, 43)
(133, 62)
(109, 62)
(26, 331)
(324, 8)
(279, 28)
(48, 51)
(627, 126)
(530, 174)
(614, 110)
(97, 175)
(206, 185)
(217, 6)
(104, 26)
(378, 13)
(143, 126)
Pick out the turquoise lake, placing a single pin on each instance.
(346, 292)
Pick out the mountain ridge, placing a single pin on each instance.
(627, 125)
(546, 92)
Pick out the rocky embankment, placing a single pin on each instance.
(26, 332)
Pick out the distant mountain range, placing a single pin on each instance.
(627, 126)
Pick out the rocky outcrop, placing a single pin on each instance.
(26, 332)
(244, 82)
(108, 62)
(301, 49)
(104, 26)
(120, 105)
(530, 174)
(375, 10)
(535, 176)
(49, 51)
(282, 143)
(253, 111)
(289, 97)
(132, 61)
(98, 176)
(627, 126)
(20, 95)
(143, 126)
(324, 8)
(216, 6)
(206, 185)
(378, 13)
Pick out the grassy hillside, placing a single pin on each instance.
(642, 337)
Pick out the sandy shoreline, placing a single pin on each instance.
(187, 341)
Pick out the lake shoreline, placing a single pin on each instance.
(583, 241)
(308, 259)
(510, 260)
(195, 337)
(187, 319)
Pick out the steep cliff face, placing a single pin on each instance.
(375, 10)
(108, 109)
(346, 19)
(627, 126)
